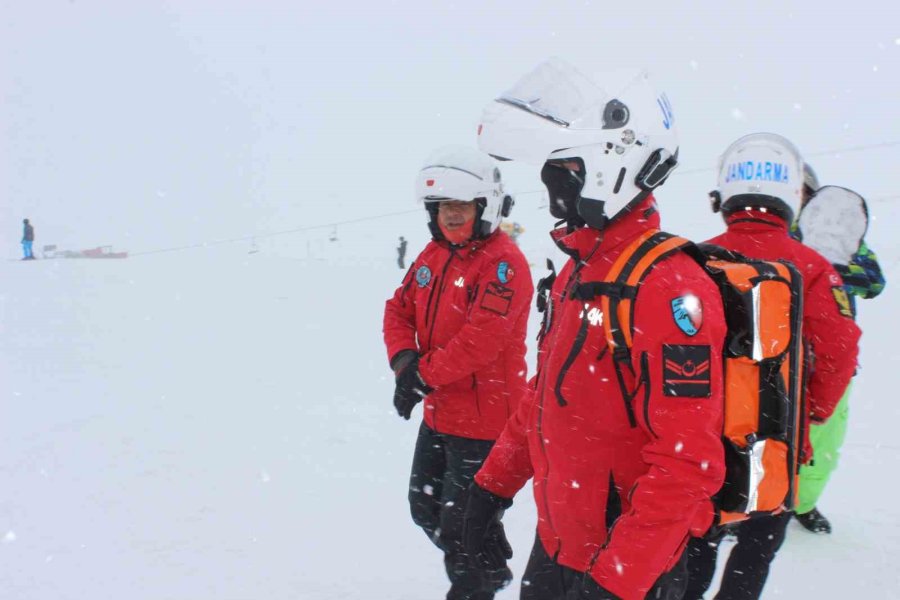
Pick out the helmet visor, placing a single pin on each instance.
(556, 91)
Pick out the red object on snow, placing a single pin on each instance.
(103, 252)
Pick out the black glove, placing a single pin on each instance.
(410, 390)
(484, 539)
(402, 359)
(590, 590)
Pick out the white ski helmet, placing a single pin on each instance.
(463, 173)
(603, 147)
(760, 170)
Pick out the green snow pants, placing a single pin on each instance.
(826, 440)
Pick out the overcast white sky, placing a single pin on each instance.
(150, 124)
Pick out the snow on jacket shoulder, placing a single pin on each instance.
(465, 311)
(658, 456)
(828, 326)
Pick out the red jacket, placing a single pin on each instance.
(828, 327)
(574, 434)
(465, 311)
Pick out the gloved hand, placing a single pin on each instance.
(402, 359)
(484, 539)
(410, 390)
(589, 589)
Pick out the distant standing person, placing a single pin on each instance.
(401, 253)
(27, 240)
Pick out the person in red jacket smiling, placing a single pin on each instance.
(621, 482)
(759, 195)
(455, 337)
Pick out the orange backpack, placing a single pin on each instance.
(764, 365)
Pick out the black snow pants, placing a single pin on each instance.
(443, 467)
(747, 569)
(545, 579)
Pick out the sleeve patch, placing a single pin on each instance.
(497, 298)
(686, 371)
(842, 300)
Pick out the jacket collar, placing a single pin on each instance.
(469, 247)
(581, 243)
(755, 221)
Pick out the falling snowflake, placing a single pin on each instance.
(695, 65)
(679, 446)
(428, 490)
(10, 537)
(737, 114)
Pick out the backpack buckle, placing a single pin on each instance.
(621, 354)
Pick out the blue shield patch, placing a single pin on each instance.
(688, 314)
(423, 276)
(504, 273)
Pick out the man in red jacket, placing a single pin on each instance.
(621, 483)
(455, 337)
(759, 194)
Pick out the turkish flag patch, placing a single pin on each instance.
(497, 298)
(686, 371)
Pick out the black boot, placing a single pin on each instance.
(814, 521)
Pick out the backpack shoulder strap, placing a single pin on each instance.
(624, 279)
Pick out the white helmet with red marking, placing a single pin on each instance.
(463, 173)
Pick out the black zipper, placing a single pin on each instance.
(430, 296)
(475, 391)
(540, 420)
(440, 290)
(645, 377)
(629, 396)
(612, 527)
(540, 432)
(573, 354)
(434, 318)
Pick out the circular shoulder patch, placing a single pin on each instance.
(423, 276)
(504, 272)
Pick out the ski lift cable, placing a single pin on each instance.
(334, 224)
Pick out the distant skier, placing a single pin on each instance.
(455, 337)
(833, 222)
(27, 240)
(401, 253)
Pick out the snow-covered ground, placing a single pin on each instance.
(213, 424)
